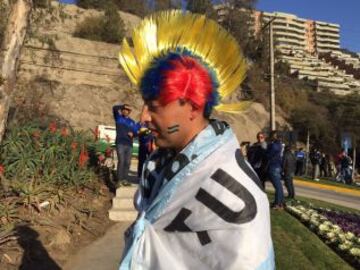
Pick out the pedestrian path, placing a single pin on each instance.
(103, 254)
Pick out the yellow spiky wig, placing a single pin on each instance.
(167, 34)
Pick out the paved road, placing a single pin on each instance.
(323, 194)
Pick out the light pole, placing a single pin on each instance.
(272, 84)
(272, 69)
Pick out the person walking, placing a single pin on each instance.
(300, 160)
(257, 157)
(289, 167)
(197, 194)
(126, 129)
(346, 168)
(315, 158)
(274, 159)
(324, 164)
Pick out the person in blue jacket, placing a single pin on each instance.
(126, 129)
(146, 145)
(274, 158)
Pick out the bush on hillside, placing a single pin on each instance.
(3, 20)
(107, 28)
(137, 7)
(41, 3)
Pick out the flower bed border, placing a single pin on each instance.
(346, 245)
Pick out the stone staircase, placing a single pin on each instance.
(123, 206)
(123, 209)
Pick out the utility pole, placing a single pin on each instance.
(307, 152)
(272, 84)
(271, 64)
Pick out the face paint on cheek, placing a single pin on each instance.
(173, 129)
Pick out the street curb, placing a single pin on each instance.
(328, 187)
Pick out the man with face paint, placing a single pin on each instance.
(200, 204)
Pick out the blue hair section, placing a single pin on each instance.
(151, 81)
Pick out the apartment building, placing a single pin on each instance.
(293, 33)
(311, 49)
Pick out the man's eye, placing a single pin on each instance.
(153, 108)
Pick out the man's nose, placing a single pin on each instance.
(145, 115)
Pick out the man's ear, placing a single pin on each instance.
(195, 112)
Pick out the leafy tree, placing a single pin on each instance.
(314, 119)
(237, 20)
(136, 7)
(163, 5)
(113, 27)
(248, 4)
(96, 4)
(343, 110)
(200, 6)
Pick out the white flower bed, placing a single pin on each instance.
(333, 235)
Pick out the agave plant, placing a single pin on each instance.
(47, 153)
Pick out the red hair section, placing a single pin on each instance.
(186, 79)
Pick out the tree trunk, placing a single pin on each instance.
(14, 38)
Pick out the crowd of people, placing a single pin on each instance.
(270, 159)
(337, 167)
(274, 161)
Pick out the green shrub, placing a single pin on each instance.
(108, 27)
(90, 28)
(47, 154)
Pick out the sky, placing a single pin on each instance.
(345, 12)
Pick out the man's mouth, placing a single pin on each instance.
(154, 131)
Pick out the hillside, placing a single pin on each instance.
(78, 81)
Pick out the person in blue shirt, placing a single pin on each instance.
(146, 145)
(126, 129)
(300, 160)
(274, 158)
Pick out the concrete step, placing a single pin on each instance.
(126, 192)
(122, 203)
(122, 215)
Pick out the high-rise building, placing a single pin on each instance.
(293, 33)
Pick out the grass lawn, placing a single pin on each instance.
(296, 247)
